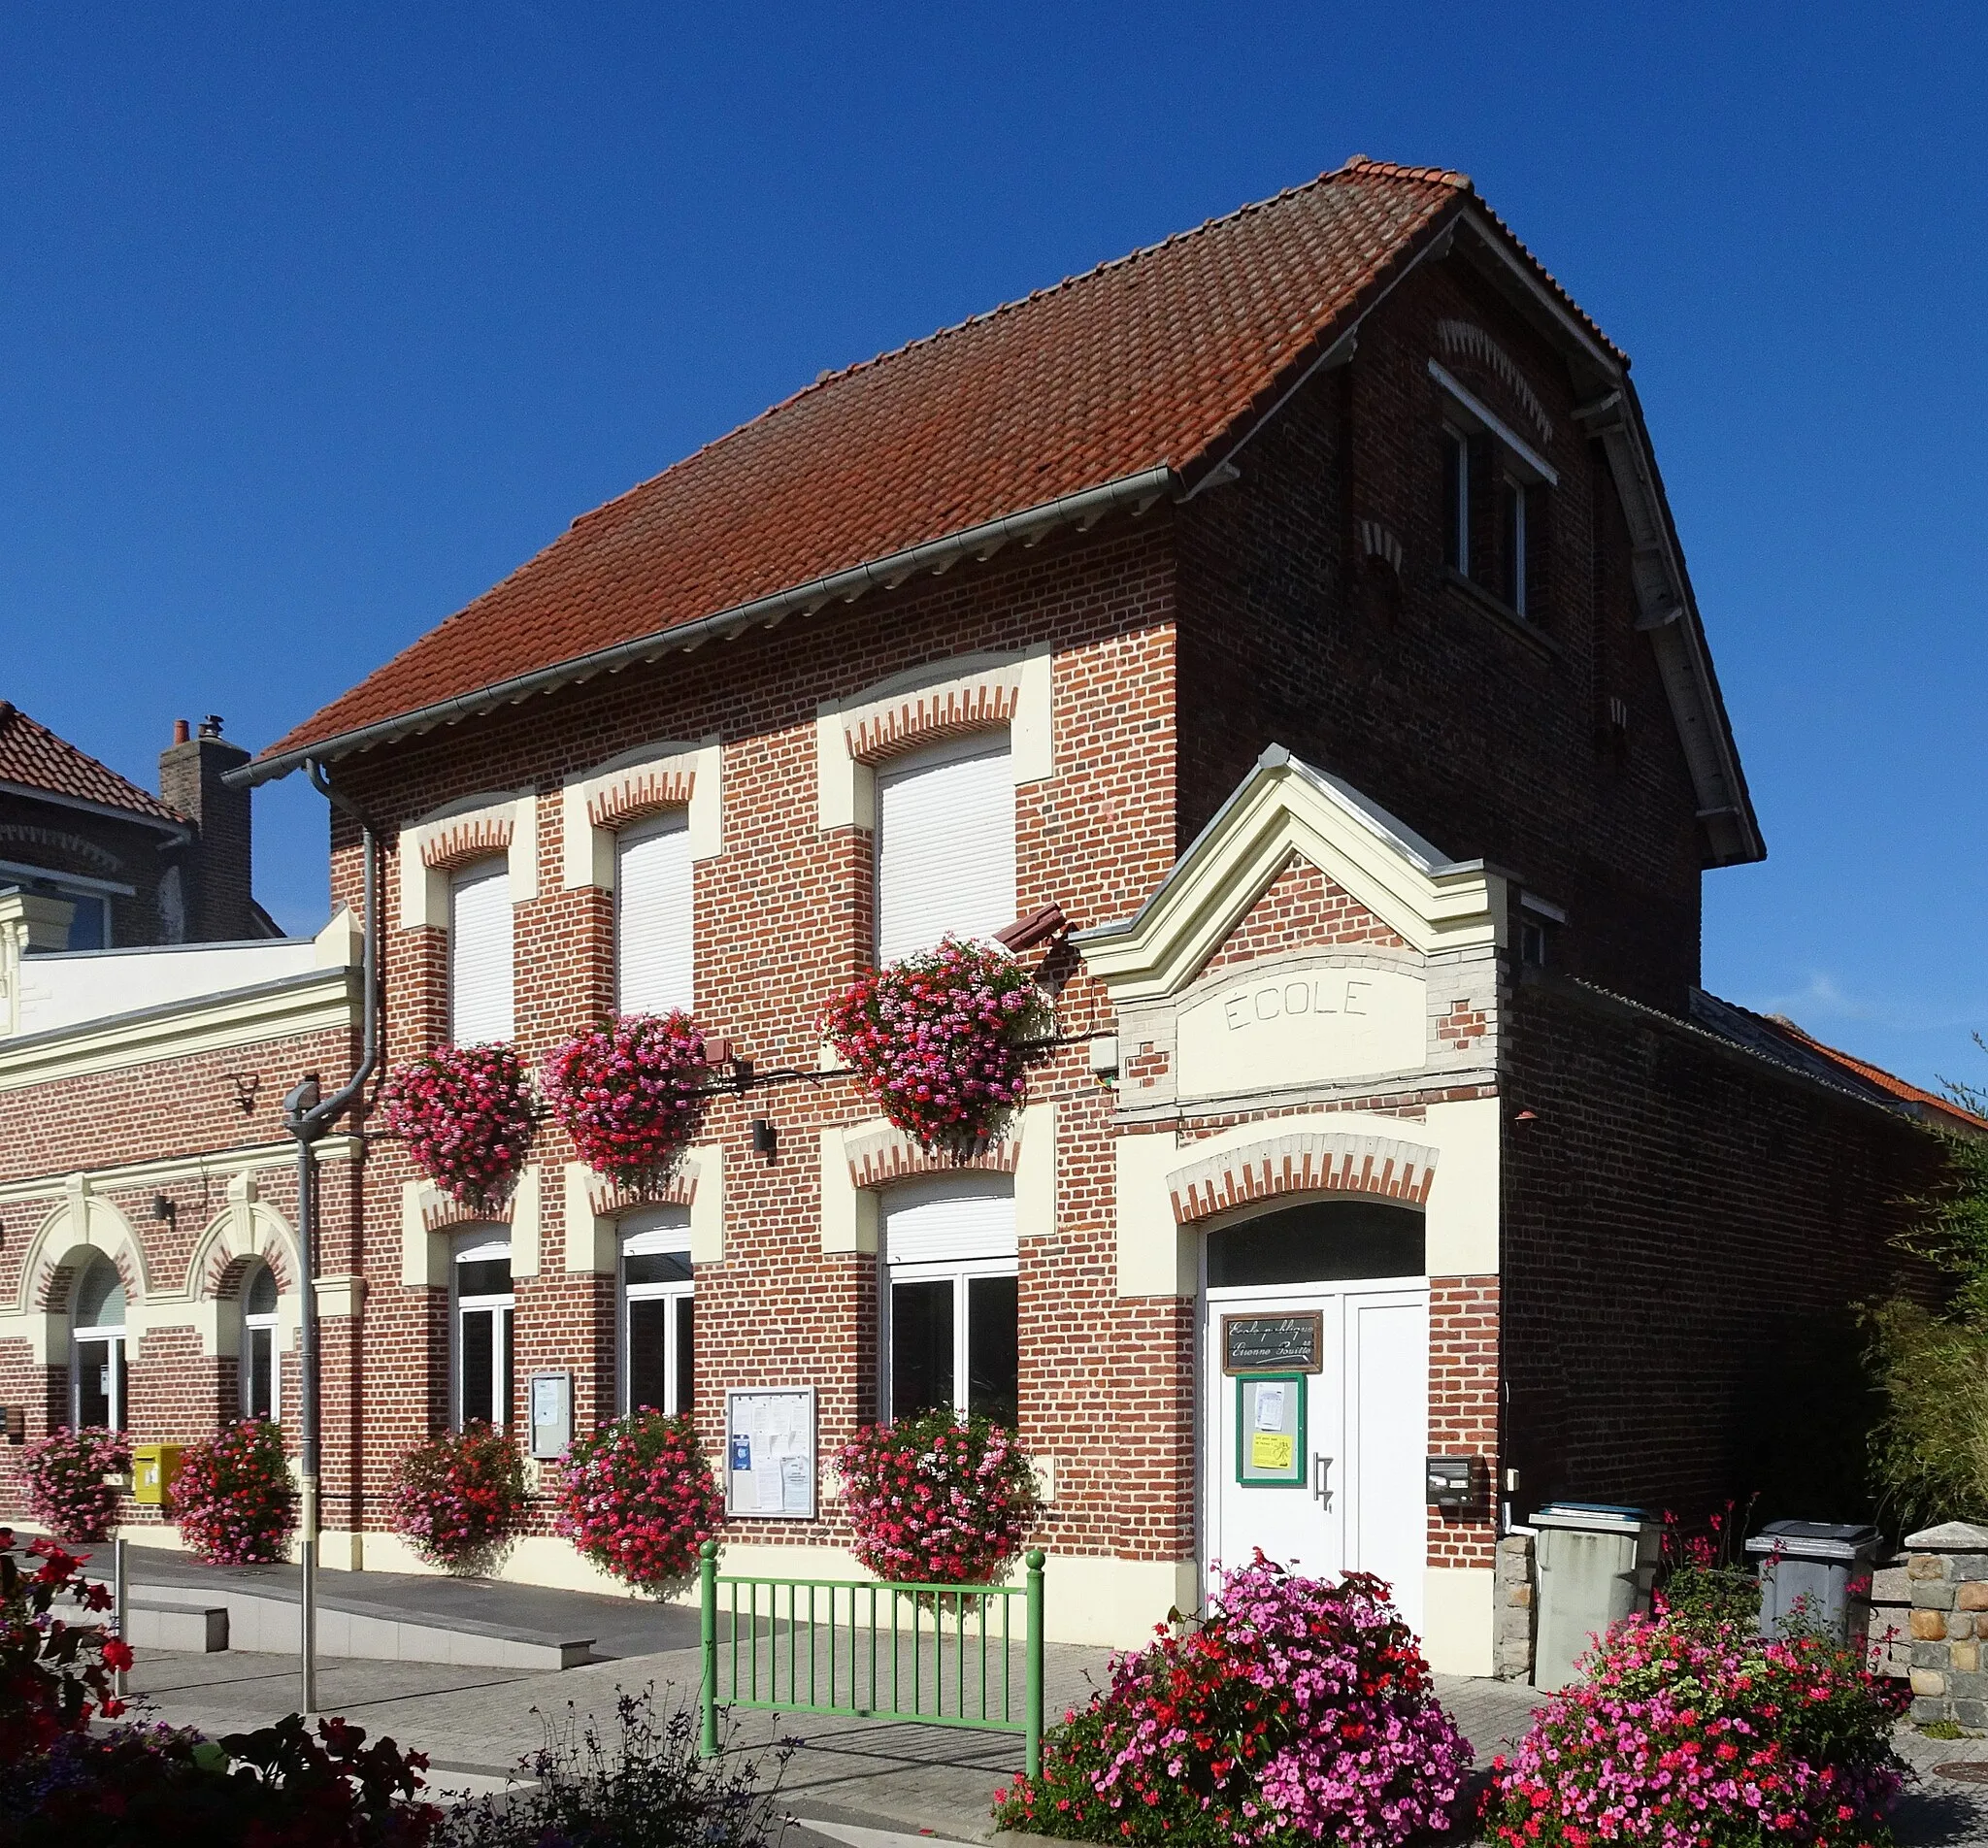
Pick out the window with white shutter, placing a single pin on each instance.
(653, 959)
(944, 845)
(479, 954)
(951, 1335)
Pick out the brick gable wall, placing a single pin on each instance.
(1480, 736)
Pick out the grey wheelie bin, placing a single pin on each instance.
(1596, 1563)
(1821, 1569)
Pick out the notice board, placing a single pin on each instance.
(769, 1452)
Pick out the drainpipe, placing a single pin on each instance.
(308, 1116)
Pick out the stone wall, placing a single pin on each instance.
(1947, 1570)
(1516, 1603)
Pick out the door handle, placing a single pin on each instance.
(1320, 1468)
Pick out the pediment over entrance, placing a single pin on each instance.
(1308, 946)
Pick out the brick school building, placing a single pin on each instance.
(1296, 607)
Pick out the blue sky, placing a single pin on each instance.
(315, 320)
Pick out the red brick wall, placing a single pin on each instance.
(1686, 1230)
(1479, 734)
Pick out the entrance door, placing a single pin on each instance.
(1315, 1396)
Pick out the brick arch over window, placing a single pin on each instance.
(60, 1248)
(466, 842)
(240, 1234)
(884, 1157)
(607, 1196)
(981, 703)
(640, 794)
(1376, 1167)
(442, 1211)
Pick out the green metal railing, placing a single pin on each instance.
(941, 1654)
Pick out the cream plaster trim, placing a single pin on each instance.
(846, 784)
(1280, 809)
(1459, 1611)
(592, 1211)
(322, 1003)
(524, 1223)
(341, 1298)
(1158, 1256)
(880, 1157)
(137, 1174)
(424, 889)
(587, 852)
(1302, 1162)
(1035, 1170)
(424, 1253)
(849, 1212)
(859, 1158)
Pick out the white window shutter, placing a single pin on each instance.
(944, 846)
(654, 961)
(480, 955)
(950, 1219)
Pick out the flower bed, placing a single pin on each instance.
(55, 1678)
(1703, 1733)
(943, 1040)
(638, 1497)
(465, 1115)
(65, 1478)
(459, 1499)
(1297, 1711)
(631, 1094)
(936, 1499)
(233, 1498)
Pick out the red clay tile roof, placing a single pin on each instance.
(34, 757)
(1150, 361)
(1927, 1100)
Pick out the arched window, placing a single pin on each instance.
(952, 1337)
(260, 1378)
(480, 1316)
(657, 1312)
(96, 1347)
(1327, 1239)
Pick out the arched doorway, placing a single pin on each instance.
(1315, 1401)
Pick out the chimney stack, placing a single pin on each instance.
(215, 870)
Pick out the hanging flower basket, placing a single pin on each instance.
(233, 1498)
(459, 1499)
(65, 1480)
(945, 1040)
(465, 1114)
(638, 1497)
(631, 1094)
(937, 1499)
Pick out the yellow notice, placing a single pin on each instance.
(1270, 1450)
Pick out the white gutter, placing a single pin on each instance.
(1138, 491)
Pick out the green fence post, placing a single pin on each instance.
(1033, 1693)
(708, 1636)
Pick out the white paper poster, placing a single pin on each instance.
(769, 1452)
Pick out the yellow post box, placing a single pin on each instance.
(153, 1466)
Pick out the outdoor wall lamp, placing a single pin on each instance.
(766, 1138)
(1036, 927)
(165, 1208)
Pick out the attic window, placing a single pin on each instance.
(1494, 486)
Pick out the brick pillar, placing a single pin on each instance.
(1946, 1569)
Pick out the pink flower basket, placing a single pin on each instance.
(465, 1114)
(638, 1497)
(459, 1499)
(945, 1041)
(631, 1094)
(65, 1479)
(936, 1499)
(233, 1498)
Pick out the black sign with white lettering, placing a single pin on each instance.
(1267, 1343)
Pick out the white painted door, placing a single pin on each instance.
(1351, 1497)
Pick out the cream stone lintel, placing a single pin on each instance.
(1160, 1255)
(593, 1209)
(483, 826)
(944, 699)
(595, 806)
(859, 1159)
(1459, 1619)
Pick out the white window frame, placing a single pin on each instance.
(252, 1325)
(664, 1231)
(670, 822)
(494, 871)
(112, 1338)
(479, 1244)
(995, 742)
(958, 1272)
(1456, 438)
